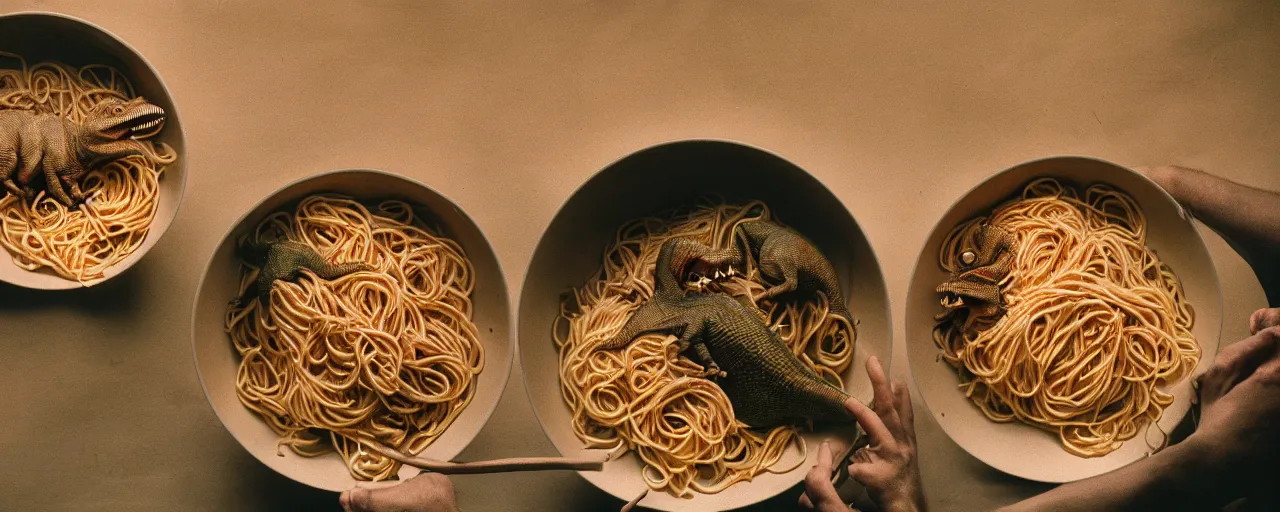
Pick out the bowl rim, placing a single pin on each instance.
(500, 281)
(920, 259)
(124, 265)
(886, 358)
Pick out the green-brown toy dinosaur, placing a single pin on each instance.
(286, 260)
(62, 150)
(786, 258)
(764, 381)
(986, 258)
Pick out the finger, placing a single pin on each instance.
(1264, 318)
(817, 484)
(1236, 362)
(805, 503)
(824, 457)
(876, 431)
(345, 500)
(883, 392)
(905, 412)
(862, 473)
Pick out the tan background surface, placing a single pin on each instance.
(508, 106)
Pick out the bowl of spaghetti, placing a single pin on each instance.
(408, 348)
(74, 97)
(1057, 316)
(674, 433)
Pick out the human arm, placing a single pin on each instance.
(1247, 218)
(1232, 452)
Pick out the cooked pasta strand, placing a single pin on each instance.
(390, 355)
(1096, 328)
(647, 399)
(80, 244)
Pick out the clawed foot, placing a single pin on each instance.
(713, 371)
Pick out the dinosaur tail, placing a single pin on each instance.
(830, 403)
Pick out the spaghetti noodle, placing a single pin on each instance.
(123, 195)
(387, 357)
(1096, 325)
(647, 398)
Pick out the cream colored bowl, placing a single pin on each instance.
(216, 359)
(1020, 449)
(40, 37)
(660, 178)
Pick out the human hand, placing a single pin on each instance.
(887, 467)
(1240, 408)
(1264, 318)
(427, 492)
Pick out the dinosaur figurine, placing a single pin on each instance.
(786, 257)
(286, 260)
(985, 260)
(766, 384)
(62, 150)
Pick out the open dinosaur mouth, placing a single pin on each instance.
(145, 124)
(700, 273)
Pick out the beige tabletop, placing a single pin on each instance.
(508, 106)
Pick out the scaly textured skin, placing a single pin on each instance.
(787, 258)
(976, 285)
(61, 150)
(286, 260)
(766, 384)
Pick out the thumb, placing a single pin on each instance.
(817, 484)
(398, 498)
(824, 457)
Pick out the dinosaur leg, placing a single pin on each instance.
(243, 299)
(650, 318)
(784, 270)
(30, 164)
(263, 289)
(8, 164)
(703, 357)
(70, 181)
(55, 186)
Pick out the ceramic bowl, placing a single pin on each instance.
(40, 37)
(657, 179)
(1020, 449)
(217, 361)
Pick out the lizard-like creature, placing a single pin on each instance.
(787, 258)
(986, 258)
(62, 150)
(286, 260)
(764, 381)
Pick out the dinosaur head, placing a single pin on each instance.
(114, 120)
(986, 258)
(683, 261)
